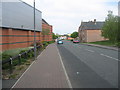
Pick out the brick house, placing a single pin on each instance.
(90, 31)
(46, 31)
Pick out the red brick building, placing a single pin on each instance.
(12, 38)
(17, 38)
(17, 29)
(90, 31)
(46, 31)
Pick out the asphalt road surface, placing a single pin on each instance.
(90, 67)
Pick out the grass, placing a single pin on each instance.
(14, 52)
(17, 69)
(105, 43)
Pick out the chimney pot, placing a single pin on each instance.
(94, 20)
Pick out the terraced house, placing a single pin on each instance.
(90, 31)
(17, 28)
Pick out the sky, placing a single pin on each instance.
(66, 15)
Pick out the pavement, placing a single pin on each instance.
(46, 72)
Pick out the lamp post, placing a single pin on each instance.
(34, 34)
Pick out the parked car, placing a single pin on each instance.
(59, 42)
(76, 41)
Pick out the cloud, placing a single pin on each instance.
(66, 15)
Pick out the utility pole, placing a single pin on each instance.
(34, 34)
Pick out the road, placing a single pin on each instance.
(90, 67)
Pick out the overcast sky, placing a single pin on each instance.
(66, 15)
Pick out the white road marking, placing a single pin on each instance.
(109, 57)
(89, 50)
(68, 80)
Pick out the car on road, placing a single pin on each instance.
(59, 42)
(76, 41)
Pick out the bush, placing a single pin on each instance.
(118, 44)
(5, 66)
(30, 54)
(22, 51)
(5, 56)
(51, 42)
(45, 43)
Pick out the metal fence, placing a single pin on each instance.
(19, 58)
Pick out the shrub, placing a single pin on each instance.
(118, 44)
(30, 54)
(22, 51)
(5, 66)
(45, 43)
(51, 42)
(5, 56)
(13, 76)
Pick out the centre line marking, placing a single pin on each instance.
(90, 50)
(110, 57)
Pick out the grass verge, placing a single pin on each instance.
(105, 43)
(25, 62)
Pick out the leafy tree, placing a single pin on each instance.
(54, 36)
(74, 35)
(110, 28)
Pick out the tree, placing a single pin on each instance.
(54, 36)
(110, 28)
(74, 35)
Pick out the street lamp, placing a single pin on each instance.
(34, 34)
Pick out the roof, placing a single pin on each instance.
(44, 22)
(19, 15)
(91, 25)
(29, 5)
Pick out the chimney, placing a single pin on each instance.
(95, 21)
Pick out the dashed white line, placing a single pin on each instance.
(89, 50)
(109, 57)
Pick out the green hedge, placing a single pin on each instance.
(118, 44)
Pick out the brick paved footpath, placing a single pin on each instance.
(46, 72)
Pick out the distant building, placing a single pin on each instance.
(17, 29)
(63, 37)
(46, 31)
(90, 31)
